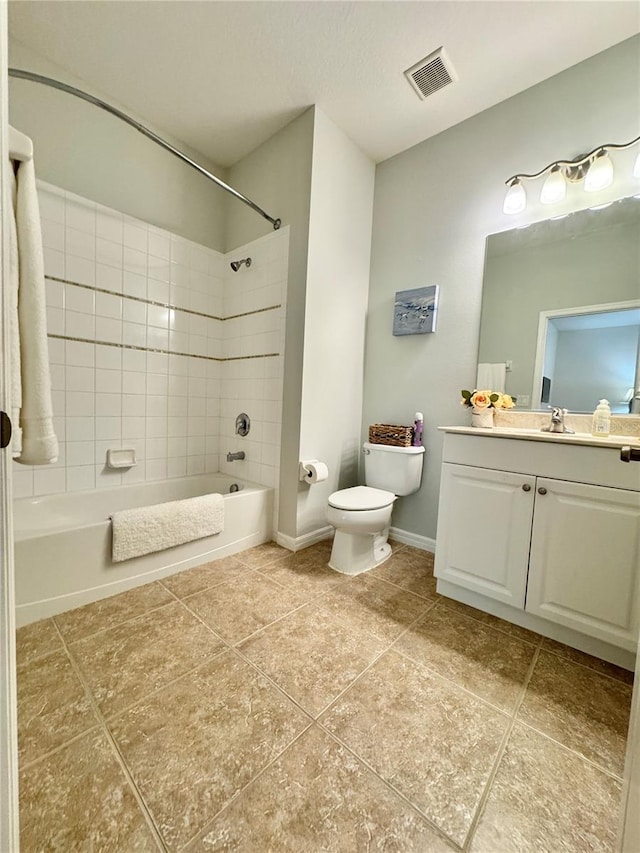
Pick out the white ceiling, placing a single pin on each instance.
(224, 76)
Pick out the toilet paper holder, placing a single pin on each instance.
(312, 471)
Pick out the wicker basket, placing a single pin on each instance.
(398, 436)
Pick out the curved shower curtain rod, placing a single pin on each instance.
(103, 105)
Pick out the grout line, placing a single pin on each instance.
(570, 660)
(202, 832)
(386, 649)
(489, 626)
(110, 627)
(451, 683)
(157, 690)
(146, 812)
(427, 600)
(93, 728)
(572, 751)
(482, 802)
(204, 588)
(161, 351)
(161, 304)
(429, 821)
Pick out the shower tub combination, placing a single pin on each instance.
(63, 542)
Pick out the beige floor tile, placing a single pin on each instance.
(35, 640)
(194, 745)
(485, 661)
(492, 621)
(316, 797)
(241, 607)
(53, 706)
(410, 568)
(109, 612)
(545, 799)
(262, 555)
(432, 741)
(124, 664)
(584, 659)
(312, 655)
(304, 573)
(205, 576)
(374, 606)
(580, 708)
(78, 800)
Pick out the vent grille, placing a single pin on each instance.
(431, 74)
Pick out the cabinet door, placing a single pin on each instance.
(584, 562)
(484, 529)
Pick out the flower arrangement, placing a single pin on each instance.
(480, 400)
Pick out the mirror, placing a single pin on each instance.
(561, 308)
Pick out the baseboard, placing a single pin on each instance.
(298, 543)
(424, 543)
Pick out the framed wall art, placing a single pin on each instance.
(415, 311)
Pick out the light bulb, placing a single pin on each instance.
(600, 174)
(636, 168)
(554, 188)
(515, 200)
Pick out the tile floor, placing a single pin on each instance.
(265, 703)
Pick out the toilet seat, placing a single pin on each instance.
(360, 498)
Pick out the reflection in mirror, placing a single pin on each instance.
(581, 265)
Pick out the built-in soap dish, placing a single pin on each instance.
(121, 458)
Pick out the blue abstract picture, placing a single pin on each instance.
(415, 311)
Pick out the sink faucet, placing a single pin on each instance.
(556, 424)
(234, 457)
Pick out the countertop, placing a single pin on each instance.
(613, 441)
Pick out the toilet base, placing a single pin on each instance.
(354, 553)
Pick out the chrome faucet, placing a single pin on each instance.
(556, 424)
(234, 457)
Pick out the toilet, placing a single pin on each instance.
(362, 514)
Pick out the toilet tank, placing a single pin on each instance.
(395, 469)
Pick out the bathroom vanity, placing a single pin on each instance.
(543, 530)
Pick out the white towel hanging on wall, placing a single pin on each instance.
(492, 377)
(35, 441)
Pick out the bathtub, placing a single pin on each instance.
(63, 542)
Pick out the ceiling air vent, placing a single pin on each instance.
(431, 73)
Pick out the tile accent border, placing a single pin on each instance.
(162, 351)
(161, 304)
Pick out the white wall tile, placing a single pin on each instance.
(108, 330)
(54, 262)
(81, 478)
(52, 234)
(177, 406)
(79, 269)
(109, 278)
(49, 481)
(109, 225)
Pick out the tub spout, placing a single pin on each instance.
(233, 457)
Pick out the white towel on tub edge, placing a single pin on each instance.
(147, 529)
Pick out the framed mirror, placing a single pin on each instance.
(561, 310)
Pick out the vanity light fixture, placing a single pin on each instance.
(595, 168)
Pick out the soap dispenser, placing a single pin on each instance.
(601, 424)
(417, 430)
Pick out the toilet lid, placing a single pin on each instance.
(361, 497)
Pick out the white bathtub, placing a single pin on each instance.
(63, 542)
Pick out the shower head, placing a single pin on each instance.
(235, 265)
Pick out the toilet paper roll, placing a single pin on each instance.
(316, 472)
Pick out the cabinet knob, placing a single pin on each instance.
(542, 490)
(526, 487)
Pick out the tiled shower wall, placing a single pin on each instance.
(155, 344)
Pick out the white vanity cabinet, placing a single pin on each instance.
(551, 531)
